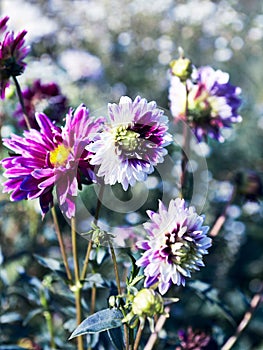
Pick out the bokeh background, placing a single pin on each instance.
(97, 51)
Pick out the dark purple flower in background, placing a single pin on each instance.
(129, 148)
(207, 102)
(45, 98)
(195, 340)
(51, 157)
(12, 54)
(176, 243)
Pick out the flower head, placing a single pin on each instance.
(177, 241)
(41, 97)
(51, 157)
(208, 102)
(12, 54)
(132, 144)
(196, 340)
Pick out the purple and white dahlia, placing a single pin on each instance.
(207, 102)
(51, 157)
(177, 241)
(132, 144)
(12, 54)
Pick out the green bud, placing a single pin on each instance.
(182, 68)
(147, 303)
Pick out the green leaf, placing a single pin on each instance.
(99, 322)
(52, 264)
(116, 337)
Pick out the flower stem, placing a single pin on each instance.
(61, 243)
(77, 286)
(48, 318)
(222, 218)
(115, 266)
(86, 261)
(21, 100)
(93, 299)
(159, 325)
(185, 146)
(255, 302)
(138, 337)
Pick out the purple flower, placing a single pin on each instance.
(46, 98)
(132, 144)
(177, 241)
(196, 340)
(208, 102)
(3, 25)
(12, 53)
(51, 157)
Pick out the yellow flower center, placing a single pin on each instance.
(59, 155)
(126, 138)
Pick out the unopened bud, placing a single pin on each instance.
(147, 303)
(182, 68)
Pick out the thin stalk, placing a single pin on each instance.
(185, 146)
(61, 243)
(86, 261)
(222, 218)
(138, 338)
(93, 299)
(48, 317)
(77, 286)
(21, 101)
(255, 302)
(115, 266)
(159, 325)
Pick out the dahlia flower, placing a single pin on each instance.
(46, 98)
(51, 157)
(132, 144)
(207, 102)
(12, 53)
(176, 243)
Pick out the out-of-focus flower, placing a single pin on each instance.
(182, 67)
(81, 64)
(195, 340)
(249, 184)
(26, 343)
(51, 157)
(46, 98)
(12, 54)
(177, 241)
(133, 143)
(207, 102)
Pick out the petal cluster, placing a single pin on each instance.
(176, 243)
(12, 54)
(132, 144)
(40, 97)
(51, 157)
(207, 101)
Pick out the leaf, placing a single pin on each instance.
(116, 337)
(10, 317)
(31, 315)
(52, 264)
(11, 347)
(98, 322)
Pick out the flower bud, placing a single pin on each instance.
(147, 303)
(182, 68)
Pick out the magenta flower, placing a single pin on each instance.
(12, 54)
(208, 102)
(129, 148)
(177, 241)
(51, 157)
(46, 98)
(195, 340)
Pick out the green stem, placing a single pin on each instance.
(115, 266)
(61, 243)
(86, 261)
(77, 287)
(48, 317)
(21, 100)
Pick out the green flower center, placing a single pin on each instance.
(59, 155)
(126, 138)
